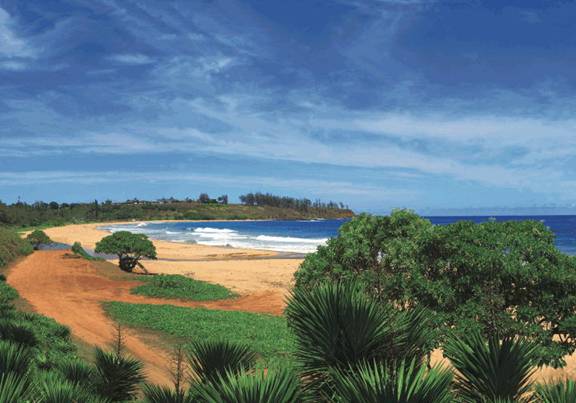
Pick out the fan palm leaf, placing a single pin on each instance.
(280, 386)
(117, 377)
(14, 358)
(210, 359)
(488, 371)
(558, 392)
(15, 388)
(338, 326)
(163, 394)
(404, 382)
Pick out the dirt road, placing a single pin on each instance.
(71, 291)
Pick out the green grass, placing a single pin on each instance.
(180, 287)
(268, 335)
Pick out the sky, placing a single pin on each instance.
(380, 104)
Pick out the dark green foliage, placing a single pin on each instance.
(37, 238)
(129, 247)
(45, 214)
(492, 370)
(180, 287)
(117, 377)
(76, 372)
(209, 359)
(163, 394)
(15, 388)
(558, 392)
(77, 249)
(400, 382)
(53, 389)
(279, 386)
(267, 199)
(497, 277)
(12, 246)
(337, 326)
(14, 358)
(17, 333)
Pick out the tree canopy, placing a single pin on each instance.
(504, 278)
(130, 248)
(37, 238)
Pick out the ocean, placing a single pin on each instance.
(304, 236)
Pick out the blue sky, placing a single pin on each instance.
(376, 103)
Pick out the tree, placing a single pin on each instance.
(504, 278)
(223, 199)
(204, 198)
(129, 247)
(37, 238)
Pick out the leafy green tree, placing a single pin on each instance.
(504, 278)
(37, 238)
(130, 249)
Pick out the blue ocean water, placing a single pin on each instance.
(303, 236)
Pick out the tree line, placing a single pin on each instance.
(267, 199)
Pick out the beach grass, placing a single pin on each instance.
(267, 335)
(180, 287)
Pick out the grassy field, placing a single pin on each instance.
(180, 287)
(268, 335)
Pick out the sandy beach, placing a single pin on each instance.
(244, 271)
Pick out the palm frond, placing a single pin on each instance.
(17, 333)
(337, 326)
(558, 392)
(163, 394)
(76, 372)
(117, 377)
(280, 386)
(54, 389)
(402, 382)
(497, 369)
(15, 388)
(210, 359)
(14, 358)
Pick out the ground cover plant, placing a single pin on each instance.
(505, 278)
(78, 250)
(180, 287)
(266, 334)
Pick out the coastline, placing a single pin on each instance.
(245, 271)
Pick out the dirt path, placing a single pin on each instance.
(71, 291)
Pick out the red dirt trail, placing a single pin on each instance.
(71, 292)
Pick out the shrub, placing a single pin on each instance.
(37, 238)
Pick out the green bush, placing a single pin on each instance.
(180, 287)
(78, 250)
(37, 238)
(12, 246)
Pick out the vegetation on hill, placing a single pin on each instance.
(37, 214)
(505, 278)
(12, 246)
(180, 287)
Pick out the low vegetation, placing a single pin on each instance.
(12, 246)
(179, 287)
(78, 250)
(266, 334)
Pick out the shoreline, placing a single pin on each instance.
(242, 270)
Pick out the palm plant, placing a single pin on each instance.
(337, 326)
(208, 360)
(77, 372)
(53, 389)
(15, 388)
(14, 358)
(163, 394)
(11, 331)
(281, 386)
(401, 382)
(558, 392)
(117, 377)
(497, 370)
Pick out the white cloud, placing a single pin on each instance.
(132, 58)
(11, 45)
